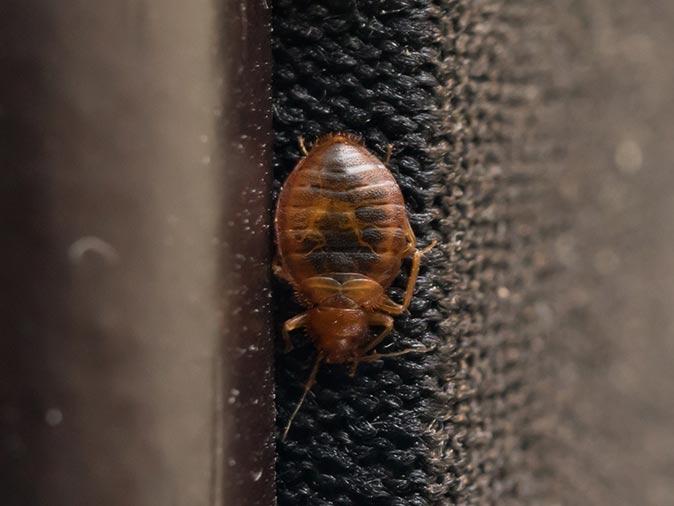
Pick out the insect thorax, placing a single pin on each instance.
(342, 290)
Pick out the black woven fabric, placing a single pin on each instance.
(447, 427)
(340, 66)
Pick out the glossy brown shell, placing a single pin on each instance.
(341, 213)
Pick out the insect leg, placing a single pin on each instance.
(307, 386)
(392, 307)
(429, 247)
(389, 152)
(374, 319)
(379, 319)
(373, 357)
(278, 270)
(290, 325)
(303, 148)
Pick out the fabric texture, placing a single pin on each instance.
(443, 427)
(519, 131)
(369, 68)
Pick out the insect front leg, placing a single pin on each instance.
(294, 323)
(278, 270)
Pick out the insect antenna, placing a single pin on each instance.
(307, 386)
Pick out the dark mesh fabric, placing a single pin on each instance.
(369, 68)
(446, 427)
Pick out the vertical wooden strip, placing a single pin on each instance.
(134, 208)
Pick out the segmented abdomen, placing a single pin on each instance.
(342, 211)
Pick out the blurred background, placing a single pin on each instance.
(142, 143)
(611, 342)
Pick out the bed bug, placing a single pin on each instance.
(342, 233)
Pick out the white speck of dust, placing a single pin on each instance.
(92, 244)
(256, 475)
(628, 156)
(503, 292)
(53, 417)
(233, 394)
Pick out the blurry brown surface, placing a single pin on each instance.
(609, 314)
(559, 152)
(135, 349)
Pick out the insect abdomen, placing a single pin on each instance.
(342, 211)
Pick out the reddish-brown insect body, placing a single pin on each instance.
(342, 233)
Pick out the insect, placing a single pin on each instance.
(342, 233)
